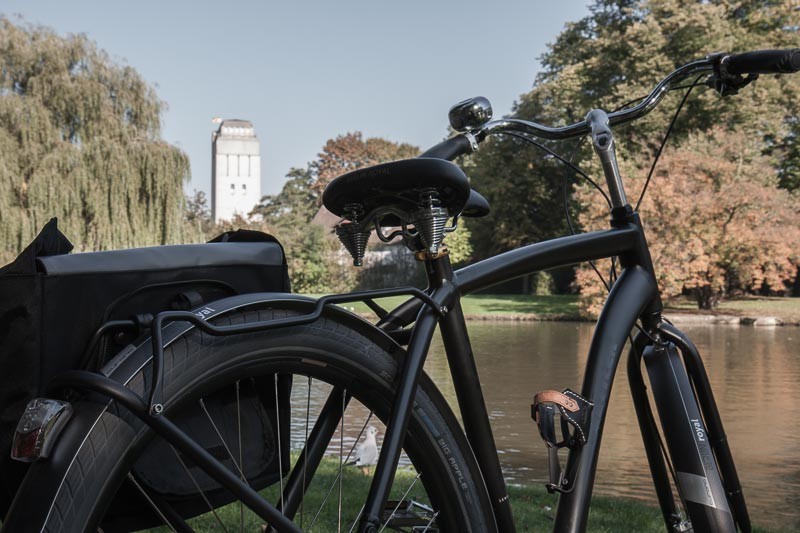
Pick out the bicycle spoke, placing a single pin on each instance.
(199, 490)
(355, 522)
(241, 460)
(151, 502)
(316, 445)
(428, 525)
(333, 485)
(399, 503)
(222, 440)
(305, 444)
(280, 452)
(341, 463)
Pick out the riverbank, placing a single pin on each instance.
(752, 311)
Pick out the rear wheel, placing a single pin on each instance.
(231, 392)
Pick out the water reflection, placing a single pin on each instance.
(755, 374)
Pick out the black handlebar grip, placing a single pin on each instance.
(763, 62)
(450, 148)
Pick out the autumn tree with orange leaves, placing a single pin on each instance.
(716, 221)
(350, 152)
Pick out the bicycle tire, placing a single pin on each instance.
(73, 489)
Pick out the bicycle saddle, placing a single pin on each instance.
(403, 185)
(477, 206)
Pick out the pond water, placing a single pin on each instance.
(755, 375)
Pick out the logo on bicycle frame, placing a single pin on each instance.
(204, 313)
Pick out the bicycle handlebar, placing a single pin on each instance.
(763, 62)
(720, 65)
(451, 148)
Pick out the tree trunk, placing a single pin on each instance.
(707, 298)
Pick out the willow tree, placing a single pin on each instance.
(80, 140)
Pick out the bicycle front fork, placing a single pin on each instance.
(697, 447)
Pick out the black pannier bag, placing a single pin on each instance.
(52, 302)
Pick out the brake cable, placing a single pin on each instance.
(666, 136)
(571, 166)
(562, 159)
(567, 176)
(574, 168)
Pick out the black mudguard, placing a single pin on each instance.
(34, 501)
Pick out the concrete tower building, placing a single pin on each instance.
(235, 170)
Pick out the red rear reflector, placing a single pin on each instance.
(38, 429)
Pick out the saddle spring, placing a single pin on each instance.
(429, 223)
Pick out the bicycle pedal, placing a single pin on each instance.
(574, 412)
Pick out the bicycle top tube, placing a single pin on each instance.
(620, 117)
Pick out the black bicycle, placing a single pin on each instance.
(328, 376)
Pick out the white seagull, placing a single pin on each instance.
(367, 451)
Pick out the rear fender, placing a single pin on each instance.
(32, 503)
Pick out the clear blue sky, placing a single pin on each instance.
(306, 71)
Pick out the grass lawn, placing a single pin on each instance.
(565, 306)
(547, 307)
(533, 507)
(787, 309)
(534, 510)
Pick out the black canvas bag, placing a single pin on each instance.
(52, 302)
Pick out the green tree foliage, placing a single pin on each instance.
(198, 213)
(288, 216)
(295, 204)
(614, 55)
(80, 140)
(459, 243)
(525, 197)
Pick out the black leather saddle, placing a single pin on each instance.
(402, 185)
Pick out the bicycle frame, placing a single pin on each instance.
(634, 296)
(634, 293)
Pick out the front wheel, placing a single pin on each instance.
(252, 401)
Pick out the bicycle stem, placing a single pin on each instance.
(603, 142)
